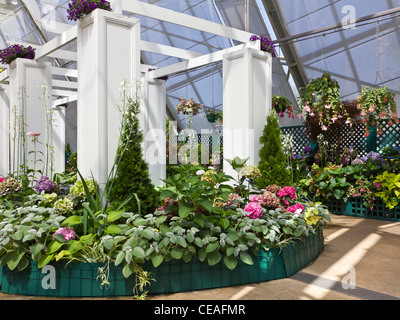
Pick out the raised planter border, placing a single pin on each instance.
(354, 207)
(79, 279)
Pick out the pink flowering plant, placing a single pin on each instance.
(283, 105)
(188, 107)
(320, 99)
(376, 104)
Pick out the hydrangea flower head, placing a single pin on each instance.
(68, 233)
(287, 191)
(44, 184)
(254, 210)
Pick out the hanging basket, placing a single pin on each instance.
(211, 118)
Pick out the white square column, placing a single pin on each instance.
(247, 85)
(4, 130)
(153, 124)
(26, 98)
(108, 54)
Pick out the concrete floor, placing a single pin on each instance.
(361, 261)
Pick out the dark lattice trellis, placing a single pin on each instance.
(351, 137)
(300, 137)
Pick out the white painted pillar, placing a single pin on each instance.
(247, 83)
(26, 95)
(4, 130)
(59, 137)
(153, 124)
(108, 53)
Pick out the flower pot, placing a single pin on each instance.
(211, 117)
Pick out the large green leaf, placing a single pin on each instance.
(127, 270)
(44, 260)
(13, 258)
(206, 204)
(138, 252)
(120, 257)
(213, 258)
(72, 220)
(54, 246)
(230, 262)
(157, 260)
(115, 215)
(185, 209)
(212, 247)
(176, 253)
(246, 258)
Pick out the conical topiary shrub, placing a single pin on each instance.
(131, 171)
(272, 162)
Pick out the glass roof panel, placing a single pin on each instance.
(358, 57)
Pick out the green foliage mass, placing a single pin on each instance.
(272, 162)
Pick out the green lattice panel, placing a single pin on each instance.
(353, 137)
(389, 137)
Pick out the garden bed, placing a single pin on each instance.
(80, 279)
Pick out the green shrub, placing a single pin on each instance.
(272, 162)
(131, 170)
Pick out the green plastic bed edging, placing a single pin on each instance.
(81, 279)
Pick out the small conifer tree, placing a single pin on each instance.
(131, 171)
(272, 162)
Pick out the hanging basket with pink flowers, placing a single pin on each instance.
(376, 104)
(320, 99)
(282, 105)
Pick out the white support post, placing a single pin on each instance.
(153, 124)
(247, 83)
(4, 130)
(108, 53)
(28, 98)
(59, 136)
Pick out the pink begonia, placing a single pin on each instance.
(254, 210)
(1, 179)
(296, 207)
(287, 191)
(68, 233)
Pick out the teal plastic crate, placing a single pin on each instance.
(354, 207)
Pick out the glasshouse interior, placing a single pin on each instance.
(199, 150)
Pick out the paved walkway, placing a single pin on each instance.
(361, 261)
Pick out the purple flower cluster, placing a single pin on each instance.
(79, 8)
(267, 44)
(16, 51)
(374, 156)
(44, 184)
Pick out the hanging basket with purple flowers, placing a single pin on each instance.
(15, 51)
(77, 9)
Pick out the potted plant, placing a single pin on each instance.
(321, 99)
(267, 45)
(77, 9)
(15, 51)
(188, 107)
(282, 105)
(213, 115)
(376, 104)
